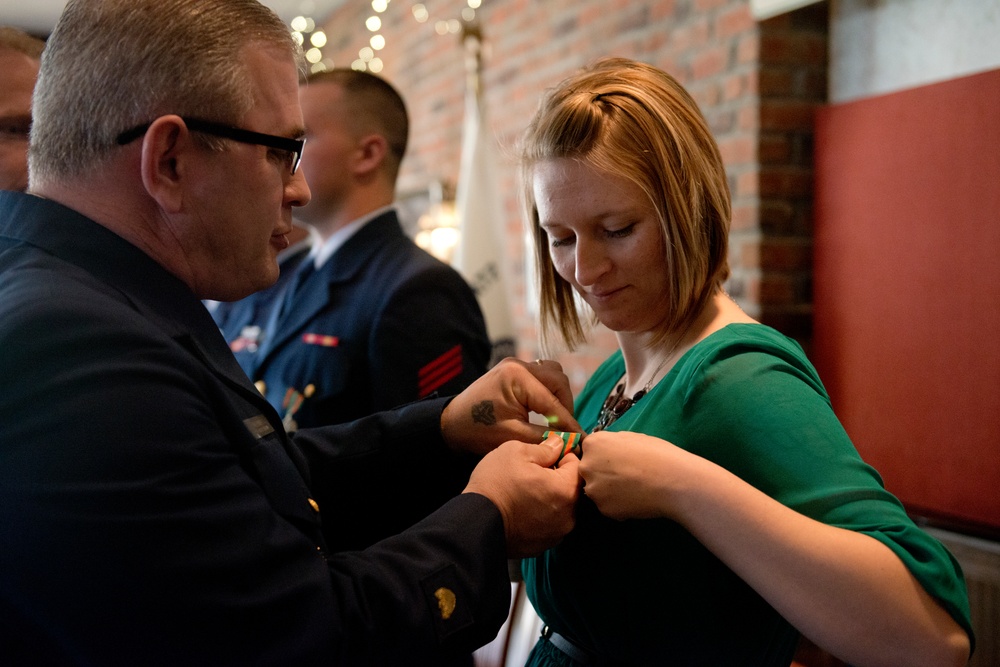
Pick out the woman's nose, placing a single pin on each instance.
(591, 261)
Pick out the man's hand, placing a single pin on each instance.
(536, 500)
(494, 409)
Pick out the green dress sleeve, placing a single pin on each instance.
(757, 407)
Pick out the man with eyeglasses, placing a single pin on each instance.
(19, 56)
(153, 511)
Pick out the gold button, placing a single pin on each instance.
(261, 387)
(313, 504)
(446, 602)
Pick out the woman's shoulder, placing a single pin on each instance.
(742, 351)
(746, 338)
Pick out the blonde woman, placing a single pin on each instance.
(726, 510)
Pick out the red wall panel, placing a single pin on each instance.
(907, 289)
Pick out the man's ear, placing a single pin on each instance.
(371, 153)
(165, 147)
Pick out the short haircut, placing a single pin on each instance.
(374, 107)
(17, 40)
(634, 121)
(113, 64)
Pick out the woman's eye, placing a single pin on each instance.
(621, 233)
(558, 243)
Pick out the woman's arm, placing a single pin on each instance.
(846, 591)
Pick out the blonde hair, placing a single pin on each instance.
(110, 65)
(637, 122)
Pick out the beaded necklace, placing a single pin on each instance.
(617, 404)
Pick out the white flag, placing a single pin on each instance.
(479, 256)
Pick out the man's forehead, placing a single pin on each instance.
(15, 65)
(17, 81)
(275, 84)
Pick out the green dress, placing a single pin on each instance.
(644, 591)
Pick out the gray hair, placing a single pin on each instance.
(113, 64)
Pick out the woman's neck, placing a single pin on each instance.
(647, 364)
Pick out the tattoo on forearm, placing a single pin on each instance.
(482, 413)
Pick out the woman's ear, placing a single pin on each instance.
(166, 147)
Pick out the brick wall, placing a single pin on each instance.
(757, 84)
(792, 79)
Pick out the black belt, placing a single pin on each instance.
(579, 655)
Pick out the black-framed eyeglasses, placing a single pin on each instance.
(292, 147)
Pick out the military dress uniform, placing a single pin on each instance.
(154, 512)
(380, 324)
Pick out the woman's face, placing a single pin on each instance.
(605, 240)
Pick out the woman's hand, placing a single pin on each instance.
(631, 475)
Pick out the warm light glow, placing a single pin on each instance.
(420, 13)
(468, 14)
(375, 65)
(380, 5)
(318, 39)
(374, 23)
(475, 4)
(366, 53)
(298, 38)
(439, 242)
(454, 26)
(314, 55)
(441, 27)
(439, 233)
(359, 65)
(299, 24)
(377, 42)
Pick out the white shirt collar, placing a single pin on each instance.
(321, 252)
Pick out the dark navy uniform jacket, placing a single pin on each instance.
(382, 323)
(154, 512)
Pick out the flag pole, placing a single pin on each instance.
(479, 256)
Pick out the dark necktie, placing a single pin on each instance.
(284, 303)
(302, 274)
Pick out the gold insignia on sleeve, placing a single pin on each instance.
(446, 602)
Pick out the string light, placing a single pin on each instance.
(306, 35)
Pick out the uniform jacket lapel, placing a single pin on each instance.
(339, 270)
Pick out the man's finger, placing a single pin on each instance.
(550, 373)
(539, 398)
